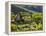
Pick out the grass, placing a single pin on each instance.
(32, 22)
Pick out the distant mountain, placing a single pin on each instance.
(30, 7)
(35, 8)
